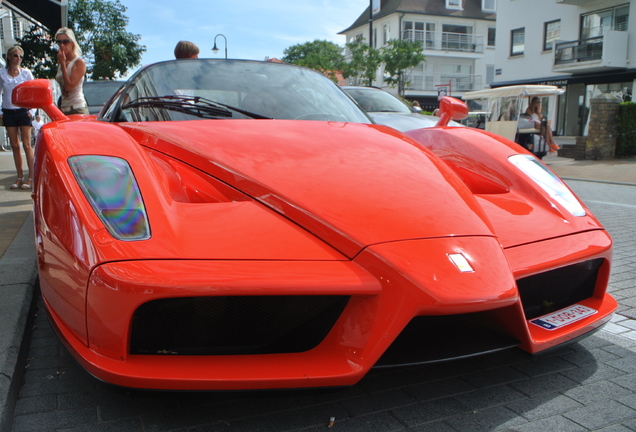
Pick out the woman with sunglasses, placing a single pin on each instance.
(70, 72)
(16, 119)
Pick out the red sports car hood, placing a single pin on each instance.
(352, 185)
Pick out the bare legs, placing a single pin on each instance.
(25, 132)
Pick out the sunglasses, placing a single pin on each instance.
(62, 41)
(17, 56)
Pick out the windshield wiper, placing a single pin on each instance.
(193, 105)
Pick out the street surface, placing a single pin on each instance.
(587, 386)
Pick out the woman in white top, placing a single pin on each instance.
(15, 118)
(70, 72)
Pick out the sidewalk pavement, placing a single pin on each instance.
(18, 274)
(18, 281)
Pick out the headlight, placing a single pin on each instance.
(549, 182)
(110, 187)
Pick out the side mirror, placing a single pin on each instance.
(451, 109)
(37, 94)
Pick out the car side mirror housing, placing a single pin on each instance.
(451, 109)
(37, 93)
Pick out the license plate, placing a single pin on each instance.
(563, 317)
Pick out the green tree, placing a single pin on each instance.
(362, 64)
(321, 55)
(100, 28)
(38, 54)
(399, 57)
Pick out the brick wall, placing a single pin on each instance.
(601, 137)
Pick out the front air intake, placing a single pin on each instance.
(555, 289)
(234, 325)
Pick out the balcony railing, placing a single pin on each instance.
(579, 51)
(446, 41)
(459, 83)
(592, 54)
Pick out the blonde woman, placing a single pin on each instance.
(16, 119)
(70, 72)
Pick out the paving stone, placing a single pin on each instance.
(544, 366)
(596, 391)
(258, 424)
(490, 397)
(378, 402)
(308, 417)
(438, 426)
(601, 414)
(544, 384)
(625, 364)
(629, 400)
(593, 372)
(498, 418)
(381, 422)
(544, 406)
(580, 358)
(556, 423)
(128, 425)
(615, 428)
(53, 420)
(36, 404)
(438, 389)
(430, 411)
(494, 377)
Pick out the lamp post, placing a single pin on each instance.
(215, 49)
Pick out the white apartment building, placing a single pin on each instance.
(457, 37)
(587, 47)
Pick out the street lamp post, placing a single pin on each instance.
(215, 49)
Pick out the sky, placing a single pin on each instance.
(254, 29)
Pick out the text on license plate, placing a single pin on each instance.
(563, 317)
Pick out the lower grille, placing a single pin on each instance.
(432, 339)
(234, 325)
(553, 290)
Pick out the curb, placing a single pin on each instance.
(18, 274)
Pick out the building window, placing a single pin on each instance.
(453, 4)
(419, 31)
(491, 36)
(17, 28)
(517, 41)
(386, 34)
(489, 6)
(596, 23)
(551, 33)
(458, 38)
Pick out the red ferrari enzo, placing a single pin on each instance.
(227, 224)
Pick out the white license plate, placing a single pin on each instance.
(563, 317)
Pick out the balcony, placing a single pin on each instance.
(446, 41)
(595, 54)
(574, 2)
(459, 83)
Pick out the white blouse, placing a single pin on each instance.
(9, 83)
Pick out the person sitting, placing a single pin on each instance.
(534, 111)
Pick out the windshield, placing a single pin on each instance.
(230, 89)
(376, 100)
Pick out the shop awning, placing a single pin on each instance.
(52, 14)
